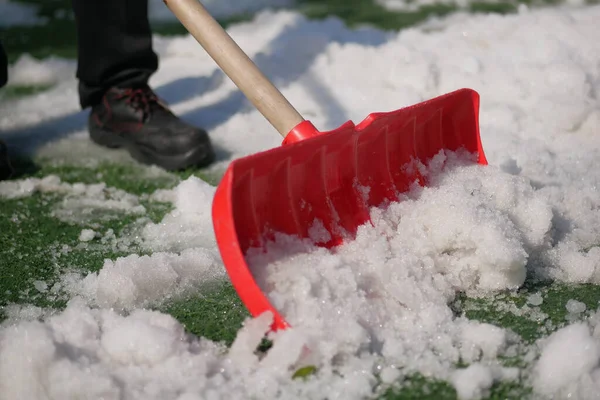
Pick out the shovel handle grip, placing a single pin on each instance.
(236, 64)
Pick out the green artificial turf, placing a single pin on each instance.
(36, 247)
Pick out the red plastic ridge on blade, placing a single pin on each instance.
(304, 130)
(319, 176)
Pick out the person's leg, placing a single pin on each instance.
(114, 45)
(3, 66)
(115, 62)
(5, 167)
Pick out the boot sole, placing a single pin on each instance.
(195, 157)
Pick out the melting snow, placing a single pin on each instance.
(86, 235)
(375, 309)
(577, 378)
(387, 292)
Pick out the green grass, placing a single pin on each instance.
(418, 387)
(216, 315)
(36, 246)
(362, 12)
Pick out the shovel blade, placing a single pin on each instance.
(323, 179)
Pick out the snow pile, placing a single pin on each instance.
(387, 292)
(85, 353)
(189, 224)
(22, 188)
(185, 256)
(376, 309)
(377, 306)
(30, 71)
(475, 381)
(81, 202)
(143, 281)
(569, 365)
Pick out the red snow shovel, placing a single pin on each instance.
(317, 176)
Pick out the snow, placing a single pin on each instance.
(473, 382)
(575, 307)
(81, 202)
(189, 224)
(185, 256)
(387, 292)
(535, 299)
(575, 344)
(41, 286)
(376, 308)
(141, 281)
(31, 71)
(86, 235)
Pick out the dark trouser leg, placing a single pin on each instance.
(114, 46)
(3, 66)
(5, 167)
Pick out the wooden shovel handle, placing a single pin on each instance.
(236, 64)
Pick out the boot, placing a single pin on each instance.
(136, 119)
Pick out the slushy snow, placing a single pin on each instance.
(569, 364)
(185, 256)
(376, 309)
(86, 235)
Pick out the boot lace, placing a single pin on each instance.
(142, 99)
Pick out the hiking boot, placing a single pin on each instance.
(6, 169)
(136, 119)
